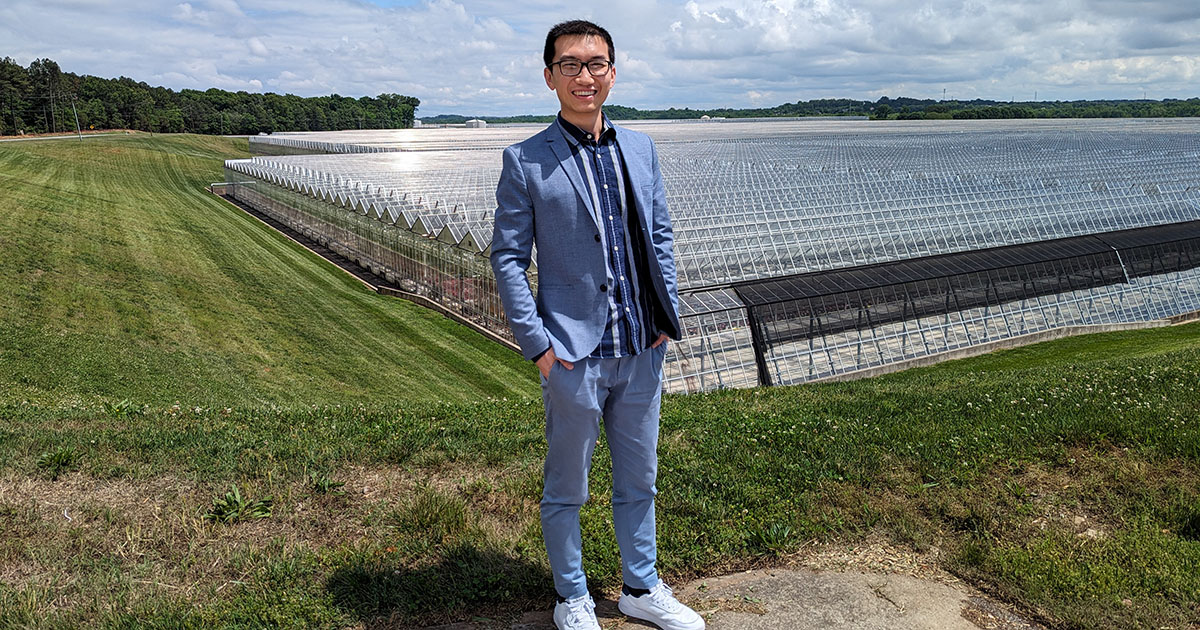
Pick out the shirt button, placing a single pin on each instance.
(626, 309)
(603, 288)
(622, 278)
(610, 217)
(597, 237)
(614, 248)
(606, 187)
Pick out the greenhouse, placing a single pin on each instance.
(806, 248)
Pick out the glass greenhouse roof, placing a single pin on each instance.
(806, 248)
(755, 200)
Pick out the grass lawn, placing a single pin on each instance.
(123, 278)
(159, 349)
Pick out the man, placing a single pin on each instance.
(590, 197)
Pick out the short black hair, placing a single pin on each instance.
(575, 27)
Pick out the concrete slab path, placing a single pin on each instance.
(804, 599)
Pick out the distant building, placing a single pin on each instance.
(475, 123)
(417, 123)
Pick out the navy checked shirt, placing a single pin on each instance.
(599, 159)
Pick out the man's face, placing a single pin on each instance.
(580, 95)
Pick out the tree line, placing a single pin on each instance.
(902, 108)
(41, 98)
(913, 109)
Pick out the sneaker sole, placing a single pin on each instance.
(621, 606)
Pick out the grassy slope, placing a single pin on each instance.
(123, 278)
(1002, 462)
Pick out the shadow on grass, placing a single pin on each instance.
(466, 580)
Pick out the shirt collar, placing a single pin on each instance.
(579, 136)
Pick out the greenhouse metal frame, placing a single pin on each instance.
(800, 245)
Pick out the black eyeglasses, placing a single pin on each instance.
(572, 67)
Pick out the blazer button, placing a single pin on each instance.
(597, 237)
(603, 288)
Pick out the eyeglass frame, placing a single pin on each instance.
(583, 64)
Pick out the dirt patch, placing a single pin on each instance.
(989, 615)
(56, 500)
(152, 527)
(875, 554)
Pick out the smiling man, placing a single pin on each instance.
(590, 197)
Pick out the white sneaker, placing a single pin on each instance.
(660, 608)
(576, 614)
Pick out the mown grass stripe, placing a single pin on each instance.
(117, 246)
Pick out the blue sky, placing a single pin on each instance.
(482, 57)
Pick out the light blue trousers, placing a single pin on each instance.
(626, 394)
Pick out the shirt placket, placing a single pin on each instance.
(610, 341)
(620, 312)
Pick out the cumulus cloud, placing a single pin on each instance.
(257, 47)
(483, 56)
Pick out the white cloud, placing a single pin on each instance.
(1126, 71)
(185, 12)
(759, 98)
(484, 56)
(257, 47)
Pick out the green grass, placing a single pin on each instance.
(1063, 477)
(124, 279)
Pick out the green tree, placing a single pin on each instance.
(44, 75)
(14, 86)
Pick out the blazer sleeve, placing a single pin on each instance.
(662, 234)
(512, 251)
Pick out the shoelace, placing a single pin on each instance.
(664, 596)
(579, 610)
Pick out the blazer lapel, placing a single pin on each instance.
(635, 163)
(563, 151)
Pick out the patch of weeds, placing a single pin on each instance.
(479, 488)
(1136, 578)
(123, 409)
(973, 554)
(772, 537)
(22, 608)
(233, 507)
(1189, 524)
(434, 516)
(322, 483)
(283, 592)
(973, 519)
(1014, 488)
(908, 528)
(58, 461)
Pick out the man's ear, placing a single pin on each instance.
(546, 74)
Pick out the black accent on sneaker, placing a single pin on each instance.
(561, 599)
(634, 592)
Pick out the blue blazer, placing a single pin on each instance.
(542, 200)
